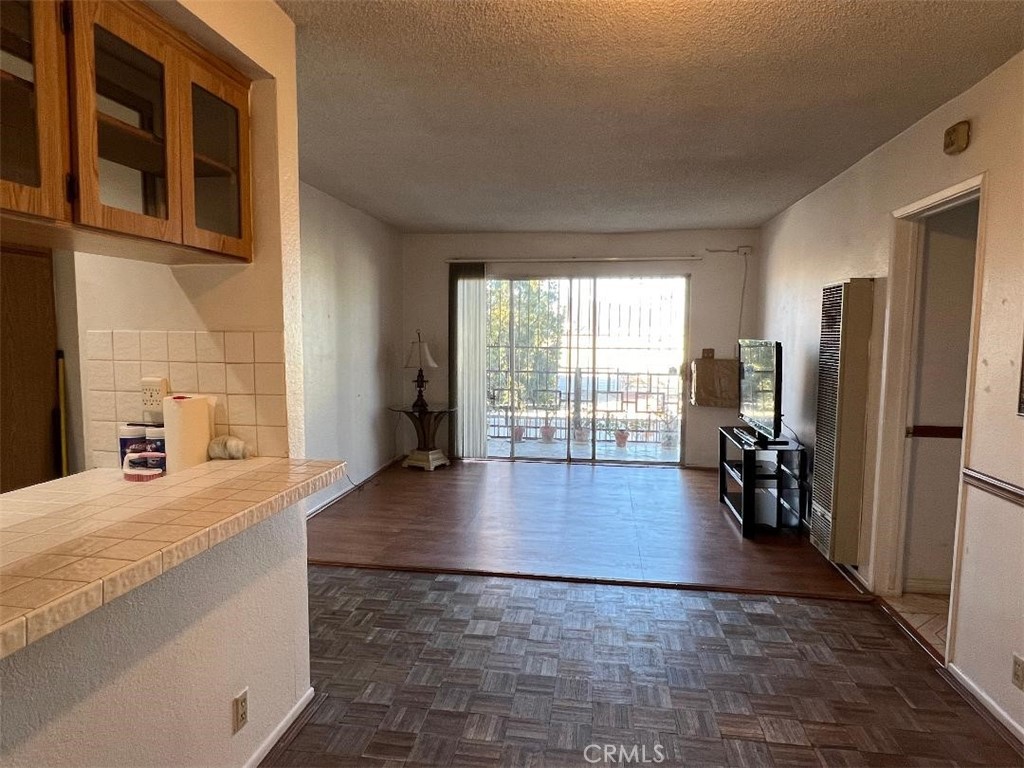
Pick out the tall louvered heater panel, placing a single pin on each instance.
(838, 480)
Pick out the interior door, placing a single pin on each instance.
(29, 419)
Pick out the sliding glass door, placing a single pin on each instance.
(585, 369)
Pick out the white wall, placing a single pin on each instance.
(148, 679)
(352, 343)
(714, 295)
(944, 335)
(846, 229)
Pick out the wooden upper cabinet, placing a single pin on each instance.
(127, 93)
(156, 137)
(216, 195)
(34, 146)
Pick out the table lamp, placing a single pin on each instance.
(419, 357)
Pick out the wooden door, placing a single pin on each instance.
(127, 88)
(34, 144)
(29, 419)
(215, 189)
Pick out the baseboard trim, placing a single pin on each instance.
(1013, 732)
(268, 743)
(927, 586)
(351, 489)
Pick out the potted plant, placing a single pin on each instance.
(518, 433)
(547, 431)
(621, 437)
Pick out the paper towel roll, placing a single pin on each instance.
(187, 429)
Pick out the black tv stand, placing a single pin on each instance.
(787, 475)
(749, 437)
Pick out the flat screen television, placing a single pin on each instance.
(761, 386)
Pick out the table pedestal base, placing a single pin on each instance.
(428, 460)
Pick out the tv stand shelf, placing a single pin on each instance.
(778, 464)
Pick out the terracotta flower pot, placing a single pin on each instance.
(518, 433)
(621, 436)
(547, 434)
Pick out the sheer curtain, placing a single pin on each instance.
(468, 325)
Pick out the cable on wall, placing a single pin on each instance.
(744, 251)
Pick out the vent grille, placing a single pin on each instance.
(826, 418)
(821, 529)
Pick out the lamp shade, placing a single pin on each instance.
(419, 354)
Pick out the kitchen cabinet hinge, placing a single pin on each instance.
(71, 187)
(66, 23)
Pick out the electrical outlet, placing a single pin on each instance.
(154, 390)
(241, 711)
(1018, 671)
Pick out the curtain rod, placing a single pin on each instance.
(575, 259)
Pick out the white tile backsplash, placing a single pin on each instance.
(184, 377)
(153, 345)
(269, 346)
(99, 345)
(158, 368)
(212, 377)
(181, 346)
(271, 411)
(102, 406)
(238, 347)
(241, 409)
(270, 379)
(129, 406)
(100, 374)
(127, 376)
(243, 371)
(241, 379)
(210, 346)
(273, 441)
(126, 345)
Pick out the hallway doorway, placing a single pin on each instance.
(935, 418)
(586, 369)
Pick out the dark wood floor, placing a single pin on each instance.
(629, 524)
(424, 670)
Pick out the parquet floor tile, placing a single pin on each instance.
(425, 670)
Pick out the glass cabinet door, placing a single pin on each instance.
(34, 149)
(127, 99)
(215, 174)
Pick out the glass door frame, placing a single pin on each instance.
(572, 351)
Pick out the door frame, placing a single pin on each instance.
(889, 526)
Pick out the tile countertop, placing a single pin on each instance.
(73, 544)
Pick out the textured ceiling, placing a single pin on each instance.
(618, 115)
